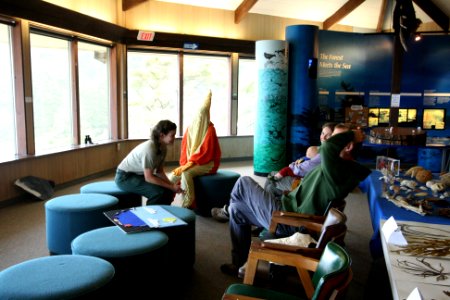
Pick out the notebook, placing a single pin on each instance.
(143, 218)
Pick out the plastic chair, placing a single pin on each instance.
(331, 277)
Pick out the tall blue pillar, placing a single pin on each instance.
(271, 125)
(303, 109)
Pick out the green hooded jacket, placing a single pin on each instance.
(332, 180)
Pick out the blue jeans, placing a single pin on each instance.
(250, 205)
(135, 183)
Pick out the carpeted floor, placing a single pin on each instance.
(22, 237)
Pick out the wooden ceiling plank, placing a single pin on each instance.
(128, 4)
(382, 16)
(243, 10)
(434, 12)
(341, 13)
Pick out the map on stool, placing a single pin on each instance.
(143, 218)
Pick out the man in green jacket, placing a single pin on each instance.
(336, 176)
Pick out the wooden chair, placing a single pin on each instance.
(332, 274)
(330, 227)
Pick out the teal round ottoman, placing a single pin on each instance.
(181, 246)
(109, 187)
(213, 190)
(70, 215)
(57, 277)
(130, 253)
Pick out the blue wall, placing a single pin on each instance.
(362, 64)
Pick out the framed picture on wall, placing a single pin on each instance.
(433, 118)
(407, 117)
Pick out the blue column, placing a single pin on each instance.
(271, 125)
(303, 109)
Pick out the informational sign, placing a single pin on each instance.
(192, 46)
(145, 36)
(395, 100)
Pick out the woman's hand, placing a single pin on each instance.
(177, 188)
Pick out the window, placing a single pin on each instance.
(94, 87)
(247, 96)
(52, 106)
(153, 91)
(433, 118)
(7, 107)
(202, 73)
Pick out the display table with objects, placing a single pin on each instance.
(422, 264)
(424, 205)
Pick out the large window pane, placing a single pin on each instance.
(93, 68)
(201, 74)
(7, 108)
(153, 91)
(247, 97)
(51, 92)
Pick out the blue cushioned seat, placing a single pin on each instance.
(130, 253)
(181, 246)
(56, 277)
(70, 215)
(213, 190)
(109, 187)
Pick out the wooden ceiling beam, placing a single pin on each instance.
(128, 4)
(382, 16)
(341, 13)
(434, 12)
(243, 10)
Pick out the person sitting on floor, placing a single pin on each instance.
(250, 205)
(200, 153)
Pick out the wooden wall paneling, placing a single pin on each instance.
(89, 161)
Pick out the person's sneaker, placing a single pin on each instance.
(229, 269)
(220, 214)
(241, 271)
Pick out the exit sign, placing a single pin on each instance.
(145, 35)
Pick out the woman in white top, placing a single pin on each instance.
(142, 170)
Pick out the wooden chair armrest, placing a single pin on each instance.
(314, 218)
(238, 297)
(304, 251)
(311, 222)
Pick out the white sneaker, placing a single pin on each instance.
(241, 272)
(220, 214)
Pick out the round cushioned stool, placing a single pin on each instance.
(213, 190)
(57, 277)
(181, 247)
(70, 215)
(109, 187)
(130, 253)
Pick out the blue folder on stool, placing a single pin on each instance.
(143, 218)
